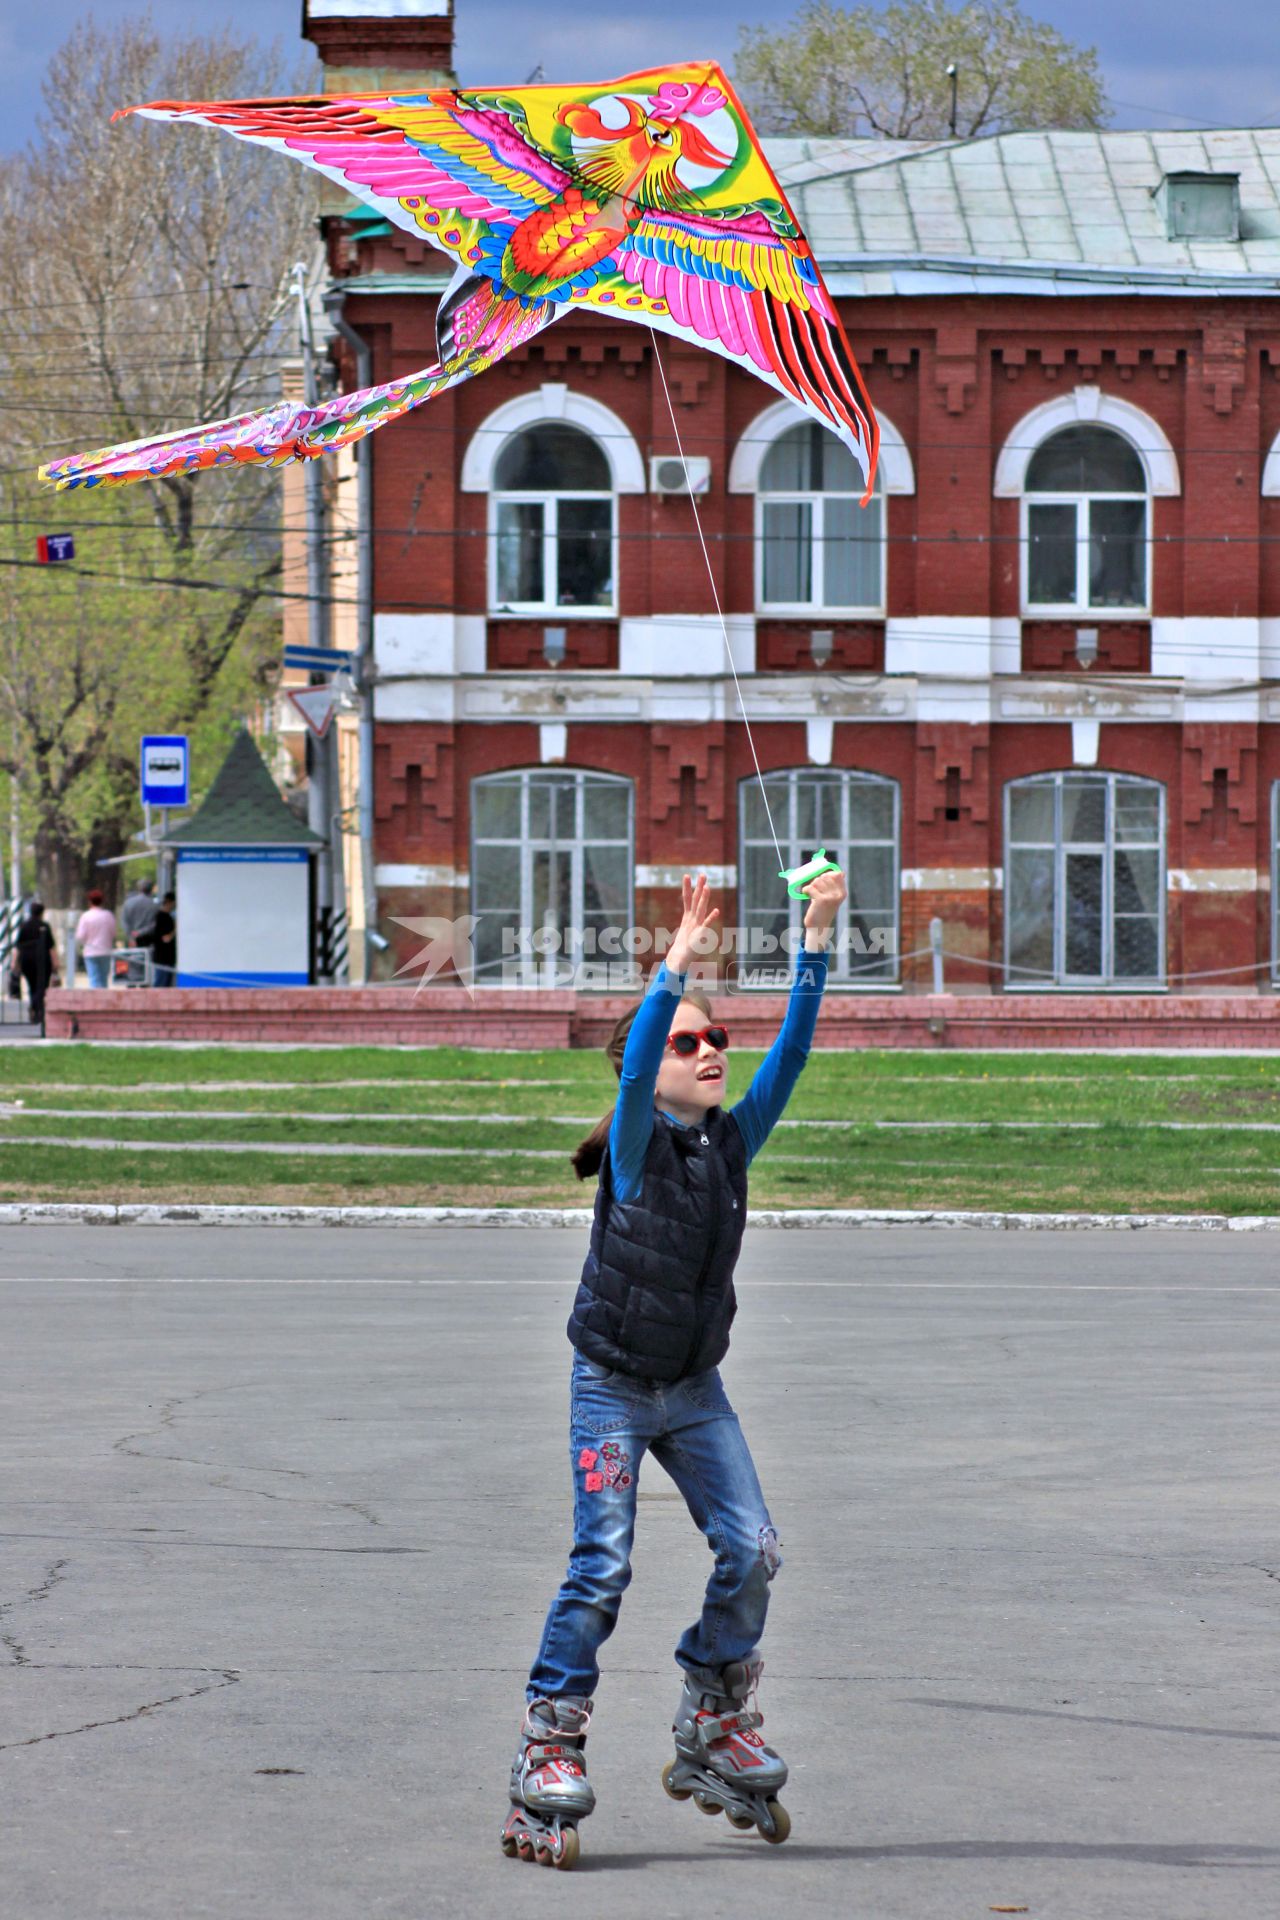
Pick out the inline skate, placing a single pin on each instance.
(550, 1791)
(721, 1761)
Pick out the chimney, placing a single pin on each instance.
(381, 46)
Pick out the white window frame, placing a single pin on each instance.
(1107, 981)
(818, 604)
(550, 499)
(1081, 605)
(547, 970)
(895, 474)
(1086, 404)
(846, 968)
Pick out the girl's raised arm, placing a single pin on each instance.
(761, 1106)
(646, 1042)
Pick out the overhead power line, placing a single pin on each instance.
(185, 581)
(129, 530)
(1165, 113)
(159, 297)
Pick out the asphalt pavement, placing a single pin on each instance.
(282, 1510)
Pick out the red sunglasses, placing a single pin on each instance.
(686, 1042)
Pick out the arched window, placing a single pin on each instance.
(1084, 880)
(551, 870)
(855, 817)
(1085, 524)
(553, 523)
(817, 549)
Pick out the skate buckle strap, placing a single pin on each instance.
(719, 1726)
(540, 1753)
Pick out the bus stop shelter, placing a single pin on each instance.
(245, 882)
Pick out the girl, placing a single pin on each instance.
(649, 1325)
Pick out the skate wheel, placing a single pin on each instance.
(708, 1806)
(676, 1793)
(741, 1821)
(566, 1854)
(781, 1823)
(525, 1849)
(509, 1846)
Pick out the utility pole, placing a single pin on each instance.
(15, 809)
(365, 664)
(322, 783)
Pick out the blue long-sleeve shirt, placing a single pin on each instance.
(760, 1106)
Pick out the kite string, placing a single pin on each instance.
(715, 592)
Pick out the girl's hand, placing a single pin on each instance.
(824, 896)
(698, 913)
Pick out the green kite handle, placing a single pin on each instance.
(798, 878)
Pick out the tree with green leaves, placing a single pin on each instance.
(884, 72)
(146, 274)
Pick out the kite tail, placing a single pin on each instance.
(289, 431)
(478, 322)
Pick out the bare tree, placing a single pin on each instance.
(146, 272)
(885, 72)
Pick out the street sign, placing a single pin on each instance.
(319, 659)
(52, 547)
(165, 769)
(317, 705)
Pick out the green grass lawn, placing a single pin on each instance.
(445, 1126)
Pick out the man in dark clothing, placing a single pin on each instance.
(36, 958)
(164, 942)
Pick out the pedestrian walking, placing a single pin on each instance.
(650, 1325)
(137, 923)
(164, 943)
(37, 958)
(96, 938)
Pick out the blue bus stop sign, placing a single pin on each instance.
(165, 769)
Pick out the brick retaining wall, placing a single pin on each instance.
(444, 1016)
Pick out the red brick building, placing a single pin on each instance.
(1033, 690)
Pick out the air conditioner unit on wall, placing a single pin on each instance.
(670, 474)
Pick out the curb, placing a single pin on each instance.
(109, 1214)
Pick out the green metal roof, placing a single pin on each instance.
(243, 808)
(1044, 212)
(884, 216)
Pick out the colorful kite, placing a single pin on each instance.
(648, 198)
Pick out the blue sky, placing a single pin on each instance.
(1166, 62)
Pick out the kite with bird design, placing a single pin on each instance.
(648, 198)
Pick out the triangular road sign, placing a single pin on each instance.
(317, 705)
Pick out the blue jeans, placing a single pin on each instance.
(98, 968)
(693, 1433)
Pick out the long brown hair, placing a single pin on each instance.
(589, 1153)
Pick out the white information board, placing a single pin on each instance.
(243, 917)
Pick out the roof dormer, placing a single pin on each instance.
(1200, 206)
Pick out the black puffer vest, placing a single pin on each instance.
(656, 1298)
